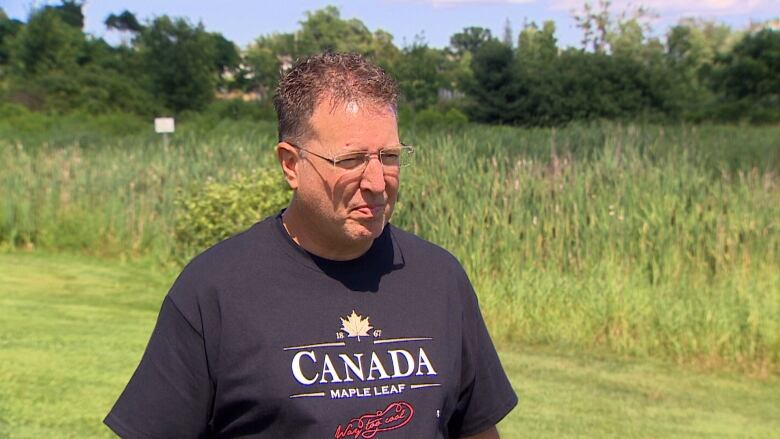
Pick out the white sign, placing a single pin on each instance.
(163, 125)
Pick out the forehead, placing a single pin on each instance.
(354, 124)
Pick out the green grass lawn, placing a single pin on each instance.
(72, 330)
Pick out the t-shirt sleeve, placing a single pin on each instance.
(486, 395)
(170, 393)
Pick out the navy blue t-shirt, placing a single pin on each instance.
(259, 338)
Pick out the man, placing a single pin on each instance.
(323, 321)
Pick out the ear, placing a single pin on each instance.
(289, 159)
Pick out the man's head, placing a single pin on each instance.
(330, 79)
(334, 106)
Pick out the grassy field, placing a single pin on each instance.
(73, 329)
(650, 241)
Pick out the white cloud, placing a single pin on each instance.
(677, 7)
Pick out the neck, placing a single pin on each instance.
(315, 240)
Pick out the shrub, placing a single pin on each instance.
(433, 118)
(34, 128)
(10, 109)
(211, 213)
(237, 109)
(455, 117)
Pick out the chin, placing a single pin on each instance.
(365, 230)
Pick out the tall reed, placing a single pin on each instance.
(645, 240)
(647, 244)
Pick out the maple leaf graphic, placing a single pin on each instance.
(355, 325)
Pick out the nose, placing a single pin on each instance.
(373, 178)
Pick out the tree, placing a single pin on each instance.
(508, 38)
(602, 30)
(496, 94)
(324, 30)
(693, 45)
(226, 56)
(594, 25)
(264, 60)
(538, 45)
(628, 39)
(46, 44)
(180, 61)
(470, 39)
(8, 29)
(419, 74)
(383, 51)
(750, 73)
(70, 11)
(124, 22)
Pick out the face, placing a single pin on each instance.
(346, 208)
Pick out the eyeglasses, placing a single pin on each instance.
(391, 158)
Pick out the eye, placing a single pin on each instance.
(350, 161)
(391, 157)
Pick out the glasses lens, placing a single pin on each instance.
(349, 161)
(391, 157)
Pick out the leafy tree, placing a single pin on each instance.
(748, 76)
(538, 45)
(263, 69)
(70, 11)
(264, 60)
(54, 66)
(281, 44)
(8, 29)
(46, 44)
(594, 25)
(383, 51)
(496, 94)
(752, 69)
(628, 39)
(325, 30)
(602, 29)
(226, 56)
(614, 87)
(322, 30)
(470, 39)
(693, 45)
(124, 22)
(508, 38)
(537, 59)
(463, 45)
(419, 74)
(180, 61)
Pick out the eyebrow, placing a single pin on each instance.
(346, 150)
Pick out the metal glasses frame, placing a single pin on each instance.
(366, 156)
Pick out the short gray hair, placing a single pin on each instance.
(344, 77)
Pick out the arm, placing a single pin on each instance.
(486, 395)
(170, 392)
(491, 433)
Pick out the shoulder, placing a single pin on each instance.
(236, 250)
(417, 251)
(221, 266)
(232, 253)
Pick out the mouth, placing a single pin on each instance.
(370, 210)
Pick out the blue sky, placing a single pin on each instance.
(243, 20)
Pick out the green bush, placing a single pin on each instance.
(433, 118)
(455, 117)
(237, 109)
(34, 128)
(211, 213)
(10, 109)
